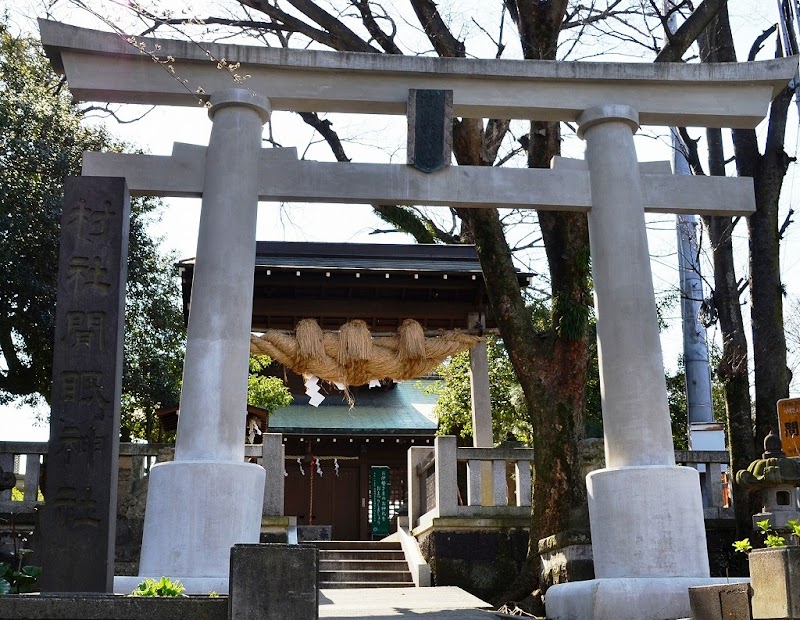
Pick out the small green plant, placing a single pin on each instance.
(18, 580)
(774, 540)
(213, 594)
(795, 525)
(163, 587)
(15, 578)
(742, 546)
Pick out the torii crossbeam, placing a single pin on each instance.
(282, 177)
(662, 511)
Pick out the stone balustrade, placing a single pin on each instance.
(26, 459)
(11, 455)
(433, 491)
(714, 480)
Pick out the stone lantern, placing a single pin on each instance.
(777, 477)
(775, 572)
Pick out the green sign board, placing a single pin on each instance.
(379, 500)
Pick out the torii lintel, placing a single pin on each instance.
(104, 66)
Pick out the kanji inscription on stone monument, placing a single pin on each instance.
(79, 517)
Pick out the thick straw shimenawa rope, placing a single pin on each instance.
(354, 357)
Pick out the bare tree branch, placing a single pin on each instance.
(349, 39)
(683, 37)
(573, 21)
(331, 39)
(692, 154)
(385, 40)
(215, 21)
(758, 43)
(786, 223)
(324, 127)
(499, 42)
(105, 109)
(438, 33)
(496, 130)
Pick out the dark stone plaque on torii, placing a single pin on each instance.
(430, 129)
(78, 521)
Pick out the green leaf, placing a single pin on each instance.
(764, 525)
(5, 587)
(163, 587)
(742, 546)
(42, 140)
(266, 392)
(773, 540)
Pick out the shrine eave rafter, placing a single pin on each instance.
(104, 66)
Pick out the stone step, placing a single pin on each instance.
(372, 545)
(365, 576)
(360, 554)
(341, 585)
(362, 564)
(330, 564)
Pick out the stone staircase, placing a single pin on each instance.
(362, 564)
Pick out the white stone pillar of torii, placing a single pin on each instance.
(209, 468)
(646, 515)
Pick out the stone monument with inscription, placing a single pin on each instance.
(79, 516)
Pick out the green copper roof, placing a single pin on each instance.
(405, 409)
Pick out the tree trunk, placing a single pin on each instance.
(553, 371)
(766, 291)
(551, 368)
(771, 373)
(732, 369)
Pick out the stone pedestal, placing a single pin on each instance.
(730, 601)
(649, 547)
(212, 533)
(644, 535)
(274, 581)
(565, 557)
(775, 577)
(654, 598)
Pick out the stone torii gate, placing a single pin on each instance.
(647, 549)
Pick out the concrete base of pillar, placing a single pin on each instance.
(647, 522)
(196, 511)
(664, 598)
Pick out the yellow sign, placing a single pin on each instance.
(789, 420)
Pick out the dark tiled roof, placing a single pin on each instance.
(367, 257)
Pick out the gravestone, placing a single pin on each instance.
(79, 515)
